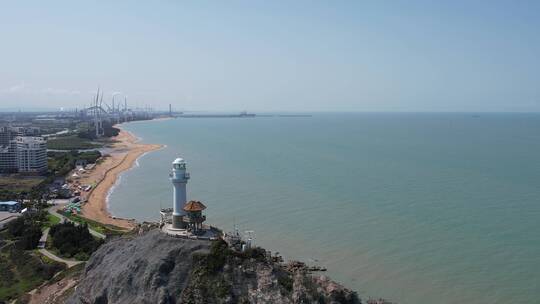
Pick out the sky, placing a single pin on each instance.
(258, 56)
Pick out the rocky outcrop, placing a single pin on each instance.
(155, 268)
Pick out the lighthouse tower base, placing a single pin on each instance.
(177, 222)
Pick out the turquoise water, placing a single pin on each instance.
(416, 208)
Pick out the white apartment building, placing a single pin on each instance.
(22, 150)
(31, 154)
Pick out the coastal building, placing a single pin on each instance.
(31, 154)
(8, 157)
(5, 135)
(8, 149)
(24, 154)
(81, 163)
(9, 133)
(10, 206)
(194, 218)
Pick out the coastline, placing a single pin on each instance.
(125, 152)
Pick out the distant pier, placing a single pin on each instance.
(238, 115)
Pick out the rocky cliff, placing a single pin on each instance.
(154, 268)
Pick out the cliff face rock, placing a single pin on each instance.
(151, 268)
(155, 268)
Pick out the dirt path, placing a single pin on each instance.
(52, 294)
(52, 256)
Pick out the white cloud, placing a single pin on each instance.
(53, 91)
(16, 88)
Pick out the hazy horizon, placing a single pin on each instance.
(265, 57)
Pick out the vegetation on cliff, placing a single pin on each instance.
(106, 229)
(22, 270)
(227, 276)
(25, 231)
(155, 268)
(73, 241)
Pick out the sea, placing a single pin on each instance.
(410, 207)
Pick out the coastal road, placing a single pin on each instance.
(54, 211)
(52, 256)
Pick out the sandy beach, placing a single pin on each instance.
(125, 151)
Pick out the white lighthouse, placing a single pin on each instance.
(179, 178)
